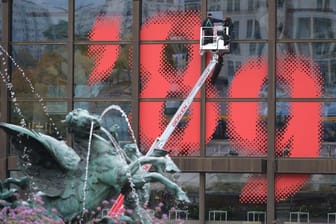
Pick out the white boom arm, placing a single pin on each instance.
(162, 140)
(217, 49)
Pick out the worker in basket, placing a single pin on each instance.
(208, 27)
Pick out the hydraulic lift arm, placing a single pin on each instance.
(218, 47)
(162, 140)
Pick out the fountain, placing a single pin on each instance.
(62, 173)
(73, 180)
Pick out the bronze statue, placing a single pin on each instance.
(60, 173)
(7, 194)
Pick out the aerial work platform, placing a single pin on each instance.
(215, 38)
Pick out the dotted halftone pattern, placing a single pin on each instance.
(255, 191)
(286, 185)
(160, 77)
(292, 71)
(299, 77)
(245, 126)
(158, 66)
(105, 28)
(182, 142)
(213, 112)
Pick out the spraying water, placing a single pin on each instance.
(87, 170)
(124, 115)
(121, 153)
(143, 216)
(6, 79)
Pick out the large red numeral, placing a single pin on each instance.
(160, 79)
(300, 136)
(104, 56)
(247, 131)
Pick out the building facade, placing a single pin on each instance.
(259, 141)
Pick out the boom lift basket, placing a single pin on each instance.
(215, 38)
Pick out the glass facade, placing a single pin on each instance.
(258, 142)
(35, 21)
(229, 197)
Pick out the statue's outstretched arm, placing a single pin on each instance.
(170, 185)
(161, 164)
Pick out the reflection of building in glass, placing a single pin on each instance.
(31, 22)
(251, 24)
(34, 22)
(304, 27)
(85, 10)
(306, 20)
(151, 7)
(192, 4)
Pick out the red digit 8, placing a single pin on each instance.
(162, 80)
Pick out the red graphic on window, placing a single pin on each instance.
(104, 56)
(299, 137)
(164, 80)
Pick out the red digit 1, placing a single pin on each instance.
(104, 56)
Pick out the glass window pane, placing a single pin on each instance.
(236, 129)
(41, 71)
(306, 198)
(306, 64)
(43, 116)
(242, 61)
(306, 19)
(328, 148)
(116, 116)
(101, 20)
(174, 66)
(216, 124)
(299, 130)
(251, 18)
(170, 20)
(151, 8)
(39, 20)
(166, 206)
(235, 197)
(155, 116)
(103, 71)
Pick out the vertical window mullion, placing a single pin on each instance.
(270, 172)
